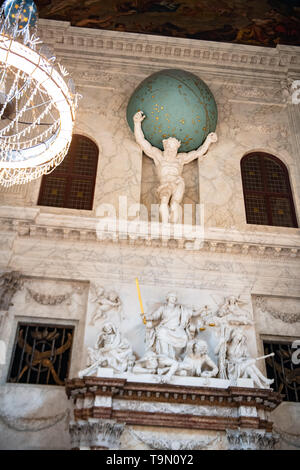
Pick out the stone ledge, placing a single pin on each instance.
(96, 43)
(32, 223)
(122, 389)
(169, 405)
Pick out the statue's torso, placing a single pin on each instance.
(171, 317)
(169, 170)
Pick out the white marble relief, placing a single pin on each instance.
(176, 347)
(133, 438)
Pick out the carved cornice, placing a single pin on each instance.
(234, 242)
(130, 47)
(168, 405)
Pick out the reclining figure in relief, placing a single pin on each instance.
(196, 363)
(169, 166)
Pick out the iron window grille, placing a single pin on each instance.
(281, 368)
(41, 354)
(267, 191)
(72, 183)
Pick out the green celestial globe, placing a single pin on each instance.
(176, 104)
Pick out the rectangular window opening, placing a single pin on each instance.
(41, 354)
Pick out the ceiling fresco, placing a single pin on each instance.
(256, 22)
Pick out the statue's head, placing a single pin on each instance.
(108, 330)
(171, 298)
(200, 347)
(113, 296)
(171, 144)
(231, 300)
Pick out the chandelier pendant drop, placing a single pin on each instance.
(37, 106)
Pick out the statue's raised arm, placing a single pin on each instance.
(149, 150)
(201, 151)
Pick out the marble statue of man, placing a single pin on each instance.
(111, 350)
(169, 166)
(172, 332)
(197, 361)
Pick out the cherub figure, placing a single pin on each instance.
(106, 302)
(169, 166)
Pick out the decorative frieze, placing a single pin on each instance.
(157, 442)
(233, 242)
(44, 299)
(148, 404)
(71, 40)
(264, 305)
(24, 424)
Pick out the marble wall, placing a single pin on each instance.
(58, 251)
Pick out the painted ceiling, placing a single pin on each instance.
(256, 22)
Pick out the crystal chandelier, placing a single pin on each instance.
(37, 106)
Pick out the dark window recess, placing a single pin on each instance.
(267, 192)
(280, 367)
(41, 355)
(72, 183)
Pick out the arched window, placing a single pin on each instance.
(72, 183)
(267, 191)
